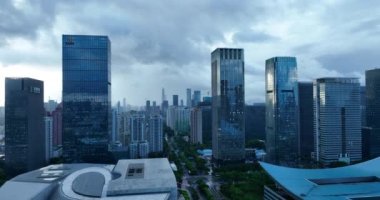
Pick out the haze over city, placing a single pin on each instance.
(167, 44)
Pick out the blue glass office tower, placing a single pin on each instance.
(24, 125)
(282, 134)
(228, 124)
(86, 96)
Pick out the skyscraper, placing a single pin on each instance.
(48, 122)
(337, 121)
(175, 100)
(282, 136)
(197, 97)
(24, 125)
(57, 125)
(86, 95)
(155, 136)
(188, 97)
(372, 79)
(228, 124)
(306, 116)
(196, 125)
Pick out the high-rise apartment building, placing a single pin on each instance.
(196, 126)
(228, 124)
(337, 120)
(188, 97)
(155, 135)
(281, 120)
(86, 95)
(372, 79)
(137, 127)
(306, 117)
(48, 119)
(24, 125)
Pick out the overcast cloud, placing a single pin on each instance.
(167, 43)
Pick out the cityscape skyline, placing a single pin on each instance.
(141, 54)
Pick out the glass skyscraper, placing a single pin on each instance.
(306, 117)
(24, 125)
(372, 79)
(337, 120)
(86, 96)
(228, 122)
(282, 123)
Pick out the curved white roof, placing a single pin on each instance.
(355, 181)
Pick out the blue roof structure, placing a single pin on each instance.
(359, 181)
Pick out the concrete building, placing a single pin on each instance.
(337, 120)
(134, 179)
(49, 150)
(143, 149)
(24, 125)
(196, 126)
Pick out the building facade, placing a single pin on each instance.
(196, 126)
(337, 120)
(228, 124)
(24, 125)
(48, 119)
(372, 79)
(188, 97)
(306, 116)
(155, 136)
(281, 119)
(175, 100)
(196, 97)
(86, 95)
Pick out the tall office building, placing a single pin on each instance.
(281, 120)
(155, 136)
(337, 121)
(196, 126)
(196, 97)
(175, 100)
(86, 95)
(372, 79)
(188, 97)
(306, 116)
(255, 114)
(228, 124)
(24, 125)
(206, 123)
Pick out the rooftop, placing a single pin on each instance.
(359, 181)
(128, 179)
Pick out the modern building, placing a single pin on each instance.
(57, 125)
(196, 97)
(24, 125)
(281, 119)
(178, 118)
(337, 120)
(137, 127)
(133, 150)
(255, 121)
(306, 117)
(50, 106)
(143, 149)
(175, 100)
(228, 124)
(48, 119)
(372, 79)
(363, 103)
(133, 179)
(188, 97)
(354, 182)
(115, 128)
(206, 123)
(196, 126)
(86, 115)
(155, 136)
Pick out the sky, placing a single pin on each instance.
(167, 43)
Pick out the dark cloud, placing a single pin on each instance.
(25, 20)
(252, 36)
(357, 60)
